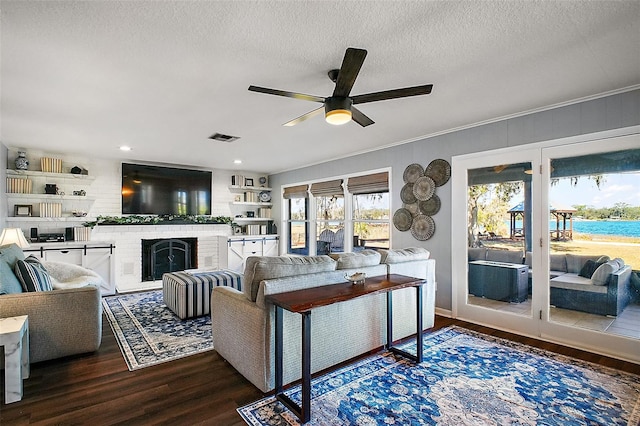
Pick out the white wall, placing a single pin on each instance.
(106, 189)
(611, 112)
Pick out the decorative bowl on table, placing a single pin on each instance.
(79, 213)
(356, 278)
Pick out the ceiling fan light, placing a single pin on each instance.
(337, 110)
(338, 116)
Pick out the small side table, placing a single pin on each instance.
(14, 336)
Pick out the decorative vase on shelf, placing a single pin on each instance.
(21, 161)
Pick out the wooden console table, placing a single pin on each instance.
(303, 301)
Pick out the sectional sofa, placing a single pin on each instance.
(604, 291)
(243, 323)
(65, 321)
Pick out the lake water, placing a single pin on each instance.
(627, 228)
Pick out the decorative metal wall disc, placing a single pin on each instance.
(430, 206)
(402, 219)
(413, 208)
(424, 188)
(412, 173)
(406, 194)
(439, 170)
(423, 227)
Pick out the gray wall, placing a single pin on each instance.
(612, 112)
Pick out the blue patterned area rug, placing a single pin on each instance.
(467, 378)
(149, 333)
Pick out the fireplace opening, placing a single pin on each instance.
(168, 255)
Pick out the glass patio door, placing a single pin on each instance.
(543, 201)
(593, 242)
(494, 275)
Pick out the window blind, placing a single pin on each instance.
(368, 184)
(329, 188)
(299, 191)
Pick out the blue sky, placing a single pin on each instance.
(621, 187)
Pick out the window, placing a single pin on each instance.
(339, 217)
(370, 210)
(298, 224)
(328, 198)
(371, 220)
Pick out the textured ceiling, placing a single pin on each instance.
(89, 76)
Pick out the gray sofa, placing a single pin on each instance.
(61, 322)
(607, 292)
(243, 324)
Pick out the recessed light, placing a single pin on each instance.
(125, 148)
(237, 161)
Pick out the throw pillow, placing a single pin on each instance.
(619, 261)
(9, 284)
(33, 275)
(601, 275)
(589, 268)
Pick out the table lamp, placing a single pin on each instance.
(13, 235)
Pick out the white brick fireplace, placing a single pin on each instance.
(127, 239)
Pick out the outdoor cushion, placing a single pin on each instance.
(478, 253)
(589, 268)
(576, 261)
(507, 256)
(601, 275)
(619, 261)
(528, 259)
(558, 262)
(575, 282)
(356, 260)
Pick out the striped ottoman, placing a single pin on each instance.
(189, 295)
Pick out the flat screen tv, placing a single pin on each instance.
(165, 190)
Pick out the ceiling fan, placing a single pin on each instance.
(339, 107)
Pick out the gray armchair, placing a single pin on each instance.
(61, 322)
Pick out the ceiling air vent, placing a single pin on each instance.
(223, 138)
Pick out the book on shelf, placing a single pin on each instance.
(50, 209)
(51, 165)
(19, 185)
(253, 230)
(250, 197)
(264, 212)
(237, 180)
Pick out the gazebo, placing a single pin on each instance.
(560, 213)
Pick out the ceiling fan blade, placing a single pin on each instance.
(360, 118)
(351, 64)
(294, 95)
(304, 117)
(392, 94)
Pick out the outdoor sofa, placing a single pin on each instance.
(243, 323)
(604, 291)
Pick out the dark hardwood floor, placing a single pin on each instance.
(98, 389)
